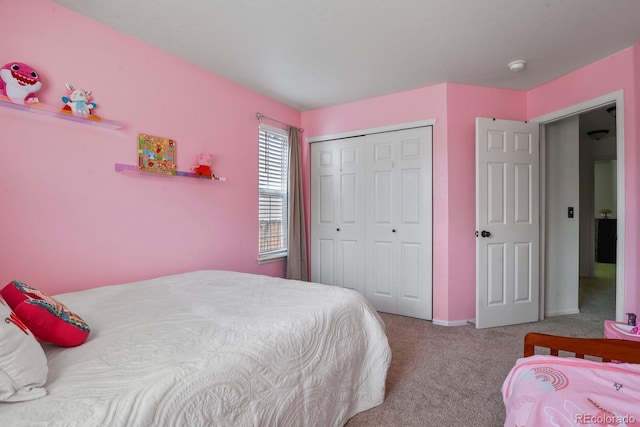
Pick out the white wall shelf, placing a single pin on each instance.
(47, 110)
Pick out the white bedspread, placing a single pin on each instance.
(214, 348)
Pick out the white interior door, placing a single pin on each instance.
(507, 222)
(337, 206)
(399, 222)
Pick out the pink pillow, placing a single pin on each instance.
(45, 317)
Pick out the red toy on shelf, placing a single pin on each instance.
(203, 168)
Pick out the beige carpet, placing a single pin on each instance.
(449, 376)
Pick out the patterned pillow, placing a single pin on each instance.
(23, 364)
(47, 318)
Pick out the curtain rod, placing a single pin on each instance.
(261, 116)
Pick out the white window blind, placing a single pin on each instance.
(273, 188)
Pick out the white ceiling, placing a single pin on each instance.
(316, 53)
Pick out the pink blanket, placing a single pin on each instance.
(554, 391)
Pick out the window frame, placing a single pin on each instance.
(268, 255)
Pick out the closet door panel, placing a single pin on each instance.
(380, 243)
(325, 261)
(337, 212)
(348, 275)
(325, 169)
(379, 282)
(371, 218)
(414, 293)
(415, 228)
(399, 212)
(349, 199)
(410, 255)
(382, 203)
(325, 199)
(350, 215)
(411, 197)
(383, 150)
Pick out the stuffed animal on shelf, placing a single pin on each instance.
(20, 82)
(203, 168)
(78, 101)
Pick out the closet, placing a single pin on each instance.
(371, 218)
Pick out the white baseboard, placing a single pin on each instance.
(562, 312)
(454, 323)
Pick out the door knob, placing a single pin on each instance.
(485, 233)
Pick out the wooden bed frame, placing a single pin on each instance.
(605, 349)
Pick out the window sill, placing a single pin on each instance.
(272, 258)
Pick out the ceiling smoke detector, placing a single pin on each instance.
(517, 65)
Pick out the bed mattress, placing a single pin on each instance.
(214, 348)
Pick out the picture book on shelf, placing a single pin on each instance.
(156, 154)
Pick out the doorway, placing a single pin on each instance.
(607, 149)
(598, 207)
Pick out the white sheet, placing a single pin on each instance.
(214, 348)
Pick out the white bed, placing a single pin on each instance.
(213, 348)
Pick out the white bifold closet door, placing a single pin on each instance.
(371, 215)
(338, 213)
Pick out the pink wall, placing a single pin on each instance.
(465, 103)
(455, 108)
(454, 159)
(420, 104)
(68, 221)
(613, 73)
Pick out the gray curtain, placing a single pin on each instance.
(297, 253)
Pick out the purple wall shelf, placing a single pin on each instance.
(46, 110)
(134, 168)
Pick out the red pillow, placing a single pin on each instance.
(45, 317)
(15, 292)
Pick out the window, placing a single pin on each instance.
(273, 188)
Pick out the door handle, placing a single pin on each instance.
(485, 233)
